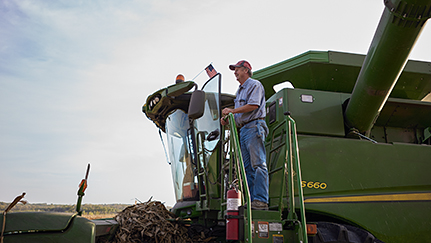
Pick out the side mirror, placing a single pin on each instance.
(197, 104)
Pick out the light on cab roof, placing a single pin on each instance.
(180, 78)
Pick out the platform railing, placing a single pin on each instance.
(292, 165)
(235, 153)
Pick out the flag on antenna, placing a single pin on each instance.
(211, 71)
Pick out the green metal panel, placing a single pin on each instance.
(276, 73)
(324, 115)
(379, 187)
(271, 219)
(389, 222)
(405, 113)
(47, 227)
(414, 82)
(213, 172)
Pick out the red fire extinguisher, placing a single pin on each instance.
(232, 214)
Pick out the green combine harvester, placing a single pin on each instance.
(348, 150)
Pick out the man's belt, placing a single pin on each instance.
(244, 123)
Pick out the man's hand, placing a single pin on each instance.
(226, 111)
(224, 121)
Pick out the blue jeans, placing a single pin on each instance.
(252, 139)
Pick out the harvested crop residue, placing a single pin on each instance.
(152, 222)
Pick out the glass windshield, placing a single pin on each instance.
(179, 141)
(177, 125)
(209, 124)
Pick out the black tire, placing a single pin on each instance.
(338, 233)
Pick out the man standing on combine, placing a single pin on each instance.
(250, 115)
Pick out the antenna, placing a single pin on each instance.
(201, 72)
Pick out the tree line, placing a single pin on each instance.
(91, 209)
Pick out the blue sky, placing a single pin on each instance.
(74, 76)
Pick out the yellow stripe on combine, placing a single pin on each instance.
(373, 198)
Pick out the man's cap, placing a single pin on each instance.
(242, 63)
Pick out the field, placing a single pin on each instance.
(90, 211)
(98, 216)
